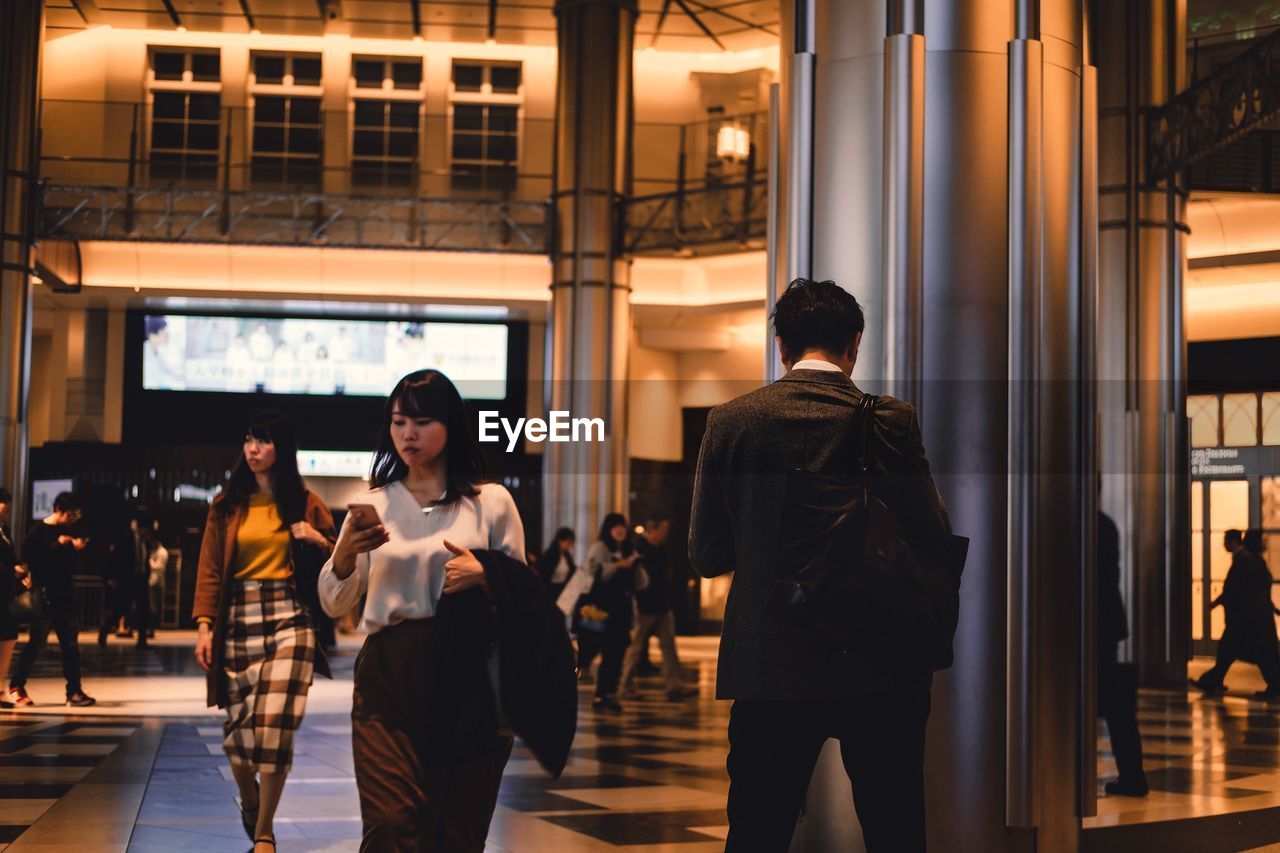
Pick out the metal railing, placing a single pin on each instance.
(726, 218)
(177, 214)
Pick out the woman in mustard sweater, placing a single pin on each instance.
(256, 640)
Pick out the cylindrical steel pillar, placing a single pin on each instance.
(589, 326)
(994, 336)
(21, 33)
(1141, 59)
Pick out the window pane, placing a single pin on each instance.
(304, 111)
(304, 140)
(502, 149)
(170, 105)
(267, 138)
(407, 75)
(1271, 418)
(1203, 411)
(366, 172)
(268, 69)
(369, 73)
(268, 109)
(206, 67)
(204, 107)
(166, 134)
(370, 113)
(502, 119)
(1271, 502)
(505, 78)
(468, 117)
(467, 77)
(268, 169)
(1240, 420)
(467, 146)
(404, 114)
(306, 70)
(402, 143)
(466, 175)
(368, 143)
(202, 137)
(1228, 506)
(168, 65)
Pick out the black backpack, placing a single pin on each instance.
(847, 571)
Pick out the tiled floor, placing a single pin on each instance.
(649, 780)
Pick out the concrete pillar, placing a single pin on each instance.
(986, 326)
(589, 322)
(21, 34)
(1142, 62)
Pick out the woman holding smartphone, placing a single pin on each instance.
(255, 640)
(408, 549)
(612, 564)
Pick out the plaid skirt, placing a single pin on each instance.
(270, 659)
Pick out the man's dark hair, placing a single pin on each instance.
(1252, 541)
(66, 502)
(653, 521)
(1233, 537)
(817, 315)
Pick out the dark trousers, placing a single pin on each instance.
(1118, 705)
(611, 646)
(773, 747)
(57, 613)
(1247, 641)
(131, 600)
(409, 802)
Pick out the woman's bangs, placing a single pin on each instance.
(424, 400)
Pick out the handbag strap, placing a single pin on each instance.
(860, 431)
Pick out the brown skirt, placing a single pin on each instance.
(270, 660)
(409, 800)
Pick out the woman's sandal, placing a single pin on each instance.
(249, 817)
(269, 839)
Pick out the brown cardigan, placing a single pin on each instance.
(213, 582)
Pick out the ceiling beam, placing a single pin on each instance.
(75, 4)
(417, 17)
(737, 20)
(173, 13)
(493, 19)
(662, 19)
(248, 16)
(693, 15)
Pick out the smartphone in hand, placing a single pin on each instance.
(364, 516)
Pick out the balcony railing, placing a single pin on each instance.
(290, 218)
(110, 172)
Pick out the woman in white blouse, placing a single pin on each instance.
(421, 785)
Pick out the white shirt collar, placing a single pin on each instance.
(815, 364)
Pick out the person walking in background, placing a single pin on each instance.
(612, 565)
(157, 564)
(428, 745)
(556, 564)
(1250, 634)
(653, 609)
(128, 571)
(13, 576)
(791, 689)
(50, 551)
(255, 639)
(1117, 682)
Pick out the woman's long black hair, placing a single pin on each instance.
(611, 521)
(287, 488)
(430, 394)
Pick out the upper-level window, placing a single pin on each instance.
(396, 73)
(285, 96)
(286, 69)
(485, 103)
(1239, 420)
(1204, 410)
(386, 120)
(185, 92)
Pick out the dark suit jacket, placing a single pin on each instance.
(802, 421)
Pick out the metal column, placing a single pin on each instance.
(21, 34)
(589, 326)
